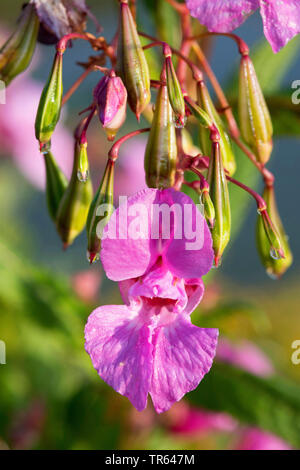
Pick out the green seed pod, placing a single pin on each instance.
(205, 101)
(50, 103)
(161, 150)
(255, 121)
(74, 206)
(174, 90)
(132, 66)
(275, 264)
(209, 210)
(56, 183)
(100, 212)
(204, 119)
(83, 164)
(17, 52)
(218, 191)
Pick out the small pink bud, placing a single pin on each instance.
(110, 96)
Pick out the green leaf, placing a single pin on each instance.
(272, 404)
(271, 68)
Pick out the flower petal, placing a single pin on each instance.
(191, 255)
(121, 351)
(195, 290)
(281, 21)
(183, 354)
(126, 256)
(222, 15)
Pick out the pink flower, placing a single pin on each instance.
(17, 137)
(149, 345)
(281, 18)
(255, 439)
(245, 355)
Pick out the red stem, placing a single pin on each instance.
(261, 204)
(114, 151)
(62, 44)
(242, 46)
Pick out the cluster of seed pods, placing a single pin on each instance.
(72, 205)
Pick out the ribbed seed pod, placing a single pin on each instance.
(209, 210)
(132, 66)
(83, 163)
(218, 190)
(274, 263)
(204, 119)
(175, 93)
(255, 121)
(205, 102)
(56, 183)
(50, 103)
(17, 52)
(100, 212)
(74, 206)
(161, 150)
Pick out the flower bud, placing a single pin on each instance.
(205, 102)
(161, 150)
(100, 211)
(209, 210)
(56, 183)
(275, 256)
(255, 121)
(17, 52)
(110, 96)
(50, 103)
(218, 190)
(75, 203)
(174, 90)
(132, 66)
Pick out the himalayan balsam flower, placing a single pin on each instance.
(281, 18)
(149, 345)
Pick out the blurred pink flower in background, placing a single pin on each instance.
(255, 439)
(245, 355)
(186, 419)
(130, 174)
(17, 136)
(86, 284)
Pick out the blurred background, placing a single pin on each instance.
(50, 396)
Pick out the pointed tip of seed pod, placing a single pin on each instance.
(138, 116)
(93, 257)
(217, 261)
(65, 246)
(211, 223)
(111, 137)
